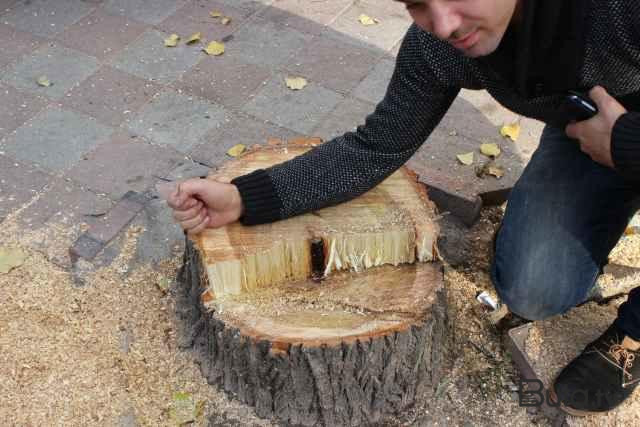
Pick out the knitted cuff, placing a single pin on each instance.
(259, 197)
(625, 146)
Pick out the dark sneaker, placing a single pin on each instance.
(601, 377)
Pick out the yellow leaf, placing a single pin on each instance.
(215, 14)
(511, 131)
(496, 171)
(465, 159)
(367, 20)
(214, 48)
(296, 83)
(490, 149)
(43, 81)
(225, 21)
(10, 258)
(194, 38)
(172, 40)
(236, 150)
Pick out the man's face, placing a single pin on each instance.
(474, 27)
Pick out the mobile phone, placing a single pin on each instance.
(580, 106)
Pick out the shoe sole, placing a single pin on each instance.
(571, 411)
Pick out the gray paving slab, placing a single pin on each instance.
(123, 164)
(374, 86)
(251, 6)
(237, 129)
(162, 237)
(267, 43)
(16, 108)
(100, 34)
(111, 96)
(187, 169)
(56, 139)
(305, 16)
(19, 183)
(46, 18)
(347, 115)
(226, 80)
(63, 67)
(177, 120)
(15, 43)
(150, 59)
(333, 63)
(147, 11)
(299, 110)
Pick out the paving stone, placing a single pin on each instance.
(147, 11)
(100, 34)
(188, 169)
(349, 114)
(111, 96)
(374, 86)
(16, 108)
(110, 225)
(250, 6)
(225, 80)
(64, 68)
(64, 202)
(162, 238)
(299, 110)
(46, 18)
(392, 26)
(56, 138)
(177, 120)
(305, 16)
(15, 44)
(266, 43)
(19, 183)
(194, 17)
(123, 164)
(237, 129)
(85, 247)
(150, 59)
(333, 63)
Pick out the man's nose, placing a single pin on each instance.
(445, 21)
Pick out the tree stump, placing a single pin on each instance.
(333, 318)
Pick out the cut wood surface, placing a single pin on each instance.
(331, 318)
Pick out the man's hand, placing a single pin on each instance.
(594, 134)
(204, 203)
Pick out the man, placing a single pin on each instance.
(573, 200)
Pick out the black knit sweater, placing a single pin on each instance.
(559, 45)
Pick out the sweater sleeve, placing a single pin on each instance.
(350, 165)
(625, 147)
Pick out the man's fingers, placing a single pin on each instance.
(200, 227)
(192, 212)
(190, 223)
(572, 130)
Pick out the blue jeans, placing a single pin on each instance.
(564, 215)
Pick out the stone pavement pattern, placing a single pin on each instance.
(124, 111)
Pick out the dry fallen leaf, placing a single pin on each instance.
(172, 40)
(465, 159)
(367, 20)
(296, 83)
(194, 38)
(225, 21)
(214, 48)
(215, 14)
(490, 149)
(236, 150)
(511, 131)
(496, 171)
(10, 258)
(43, 81)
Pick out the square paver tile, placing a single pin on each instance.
(374, 86)
(349, 114)
(64, 68)
(147, 11)
(237, 129)
(267, 43)
(111, 95)
(304, 15)
(15, 44)
(16, 108)
(383, 35)
(225, 80)
(56, 138)
(19, 183)
(177, 120)
(300, 110)
(334, 64)
(250, 6)
(101, 34)
(123, 164)
(194, 17)
(46, 18)
(150, 59)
